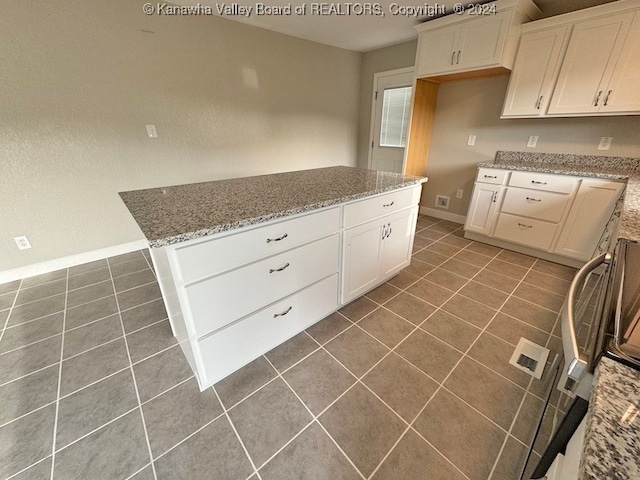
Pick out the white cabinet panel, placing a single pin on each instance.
(398, 242)
(525, 231)
(535, 204)
(437, 51)
(543, 181)
(481, 41)
(492, 175)
(483, 208)
(364, 210)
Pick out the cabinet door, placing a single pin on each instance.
(361, 259)
(534, 72)
(481, 41)
(398, 242)
(623, 91)
(483, 208)
(589, 214)
(436, 51)
(591, 56)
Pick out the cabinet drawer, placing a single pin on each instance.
(225, 298)
(543, 181)
(364, 210)
(214, 256)
(491, 175)
(535, 204)
(233, 347)
(526, 231)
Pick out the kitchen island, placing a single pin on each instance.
(245, 264)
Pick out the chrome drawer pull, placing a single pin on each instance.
(597, 98)
(276, 315)
(534, 199)
(490, 176)
(535, 182)
(522, 225)
(271, 270)
(606, 99)
(453, 55)
(458, 57)
(269, 240)
(385, 205)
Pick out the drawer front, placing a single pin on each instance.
(225, 298)
(233, 347)
(543, 181)
(491, 175)
(525, 231)
(535, 204)
(214, 256)
(364, 210)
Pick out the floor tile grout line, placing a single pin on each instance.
(57, 409)
(14, 475)
(84, 387)
(28, 374)
(150, 263)
(29, 344)
(181, 382)
(6, 322)
(152, 282)
(130, 477)
(156, 353)
(144, 303)
(48, 404)
(133, 376)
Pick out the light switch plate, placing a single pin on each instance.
(533, 141)
(472, 140)
(151, 131)
(605, 143)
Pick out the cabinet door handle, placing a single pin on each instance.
(389, 231)
(458, 58)
(282, 314)
(535, 182)
(597, 98)
(384, 232)
(385, 205)
(490, 176)
(531, 199)
(453, 55)
(269, 240)
(539, 102)
(522, 225)
(606, 99)
(272, 270)
(495, 197)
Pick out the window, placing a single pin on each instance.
(396, 107)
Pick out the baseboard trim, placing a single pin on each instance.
(434, 212)
(70, 261)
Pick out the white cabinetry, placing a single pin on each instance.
(483, 208)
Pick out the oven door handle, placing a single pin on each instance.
(577, 363)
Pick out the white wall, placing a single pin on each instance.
(80, 79)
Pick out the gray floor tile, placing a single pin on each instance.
(386, 326)
(40, 471)
(138, 296)
(161, 372)
(89, 336)
(473, 258)
(9, 287)
(516, 258)
(461, 268)
(91, 311)
(484, 294)
(486, 391)
(456, 241)
(432, 356)
(194, 459)
(495, 280)
(117, 450)
(87, 267)
(539, 296)
(415, 459)
(548, 282)
(430, 292)
(484, 249)
(311, 456)
(28, 393)
(125, 268)
(291, 351)
(25, 360)
(451, 330)
(356, 350)
(446, 279)
(150, 340)
(268, 419)
(27, 295)
(44, 278)
(144, 474)
(432, 258)
(410, 308)
(511, 330)
(143, 315)
(469, 310)
(401, 386)
(431, 234)
(471, 443)
(348, 421)
(357, 309)
(176, 414)
(418, 268)
(326, 329)
(89, 278)
(555, 269)
(508, 269)
(125, 257)
(403, 279)
(3, 317)
(7, 300)
(94, 406)
(242, 382)
(527, 421)
(443, 249)
(93, 365)
(89, 294)
(27, 333)
(26, 441)
(33, 310)
(495, 354)
(383, 293)
(529, 313)
(318, 380)
(511, 461)
(133, 280)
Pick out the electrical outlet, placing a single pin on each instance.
(605, 143)
(459, 193)
(151, 131)
(471, 141)
(442, 201)
(533, 141)
(22, 242)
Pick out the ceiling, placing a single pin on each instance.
(356, 30)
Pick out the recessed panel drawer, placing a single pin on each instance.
(364, 210)
(217, 255)
(233, 347)
(526, 231)
(220, 300)
(543, 181)
(536, 204)
(491, 175)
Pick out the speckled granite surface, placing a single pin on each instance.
(612, 435)
(613, 168)
(168, 215)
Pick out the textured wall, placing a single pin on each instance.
(80, 79)
(473, 107)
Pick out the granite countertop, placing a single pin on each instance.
(172, 214)
(611, 168)
(612, 435)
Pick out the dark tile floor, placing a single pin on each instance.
(409, 382)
